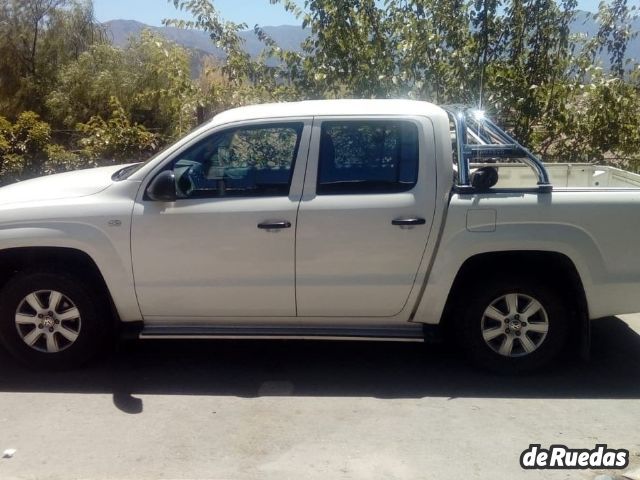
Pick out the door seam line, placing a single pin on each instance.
(295, 233)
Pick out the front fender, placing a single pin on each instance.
(107, 244)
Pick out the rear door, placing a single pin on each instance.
(365, 215)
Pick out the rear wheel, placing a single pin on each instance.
(51, 320)
(513, 325)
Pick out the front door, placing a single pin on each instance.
(226, 247)
(365, 216)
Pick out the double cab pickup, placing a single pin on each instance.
(337, 219)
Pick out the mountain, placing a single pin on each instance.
(289, 37)
(585, 24)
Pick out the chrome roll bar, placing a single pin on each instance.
(491, 142)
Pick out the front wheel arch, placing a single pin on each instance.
(57, 259)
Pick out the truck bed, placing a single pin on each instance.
(565, 175)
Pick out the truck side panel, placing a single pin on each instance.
(591, 228)
(98, 225)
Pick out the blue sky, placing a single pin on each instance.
(152, 12)
(251, 12)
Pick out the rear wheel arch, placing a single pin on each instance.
(547, 266)
(536, 262)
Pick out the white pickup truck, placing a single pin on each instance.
(344, 219)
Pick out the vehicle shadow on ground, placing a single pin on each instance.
(358, 369)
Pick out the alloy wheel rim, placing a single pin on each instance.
(515, 325)
(48, 321)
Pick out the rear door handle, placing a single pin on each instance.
(274, 225)
(403, 222)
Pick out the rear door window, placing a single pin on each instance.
(367, 157)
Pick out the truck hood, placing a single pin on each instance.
(79, 183)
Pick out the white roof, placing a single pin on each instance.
(312, 108)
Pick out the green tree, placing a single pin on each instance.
(150, 79)
(599, 116)
(37, 37)
(515, 58)
(350, 51)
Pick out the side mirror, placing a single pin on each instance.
(163, 187)
(484, 178)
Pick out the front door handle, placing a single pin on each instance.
(274, 225)
(404, 222)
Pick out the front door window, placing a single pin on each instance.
(243, 162)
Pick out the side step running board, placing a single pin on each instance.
(413, 333)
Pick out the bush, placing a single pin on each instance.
(23, 147)
(116, 139)
(26, 150)
(61, 160)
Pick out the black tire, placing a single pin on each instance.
(468, 323)
(94, 330)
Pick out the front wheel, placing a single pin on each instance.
(513, 325)
(51, 320)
